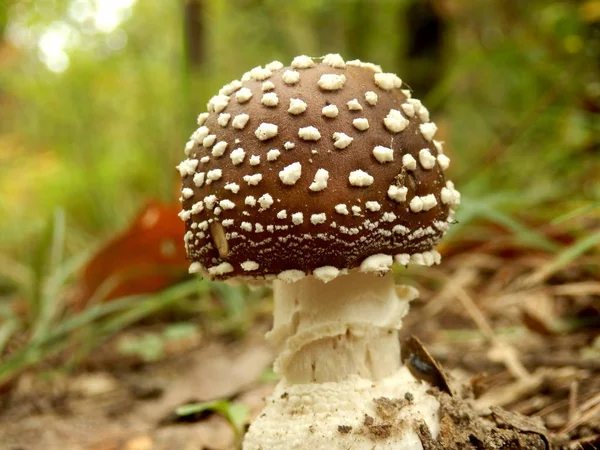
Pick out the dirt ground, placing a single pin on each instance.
(523, 339)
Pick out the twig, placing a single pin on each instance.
(570, 426)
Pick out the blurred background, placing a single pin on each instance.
(98, 97)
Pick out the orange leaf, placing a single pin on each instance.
(147, 257)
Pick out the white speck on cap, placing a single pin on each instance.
(395, 122)
(326, 273)
(250, 200)
(450, 195)
(221, 269)
(197, 207)
(195, 267)
(209, 140)
(373, 67)
(226, 204)
(401, 229)
(237, 156)
(398, 194)
(274, 65)
(360, 178)
(356, 210)
(297, 106)
(290, 77)
(383, 154)
(289, 145)
(187, 193)
(282, 214)
(243, 95)
(290, 174)
(373, 206)
(213, 175)
(354, 62)
(266, 131)
(416, 204)
(230, 88)
(417, 258)
(258, 228)
(403, 259)
(200, 134)
(240, 121)
(254, 160)
(443, 161)
(439, 146)
(205, 159)
(218, 103)
(202, 118)
(291, 276)
(267, 86)
(270, 99)
(219, 149)
(361, 124)
(259, 73)
(408, 109)
(342, 209)
(428, 130)
(223, 119)
(297, 218)
(273, 154)
(331, 82)
(187, 167)
(342, 140)
(387, 81)
(233, 187)
(209, 201)
(423, 114)
(302, 62)
(185, 215)
(376, 263)
(189, 146)
(316, 219)
(334, 60)
(309, 134)
(388, 217)
(199, 179)
(246, 226)
(409, 162)
(265, 201)
(426, 159)
(406, 92)
(354, 105)
(249, 265)
(320, 181)
(371, 98)
(253, 180)
(330, 111)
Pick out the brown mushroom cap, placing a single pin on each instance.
(313, 168)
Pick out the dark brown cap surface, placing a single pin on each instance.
(313, 168)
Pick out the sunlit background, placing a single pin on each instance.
(99, 97)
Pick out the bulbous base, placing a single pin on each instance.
(356, 414)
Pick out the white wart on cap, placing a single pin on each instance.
(315, 168)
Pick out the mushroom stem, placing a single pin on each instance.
(342, 381)
(329, 331)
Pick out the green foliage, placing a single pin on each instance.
(235, 413)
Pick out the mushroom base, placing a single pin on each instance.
(356, 414)
(342, 381)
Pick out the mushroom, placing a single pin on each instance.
(321, 193)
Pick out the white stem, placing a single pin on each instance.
(343, 385)
(349, 326)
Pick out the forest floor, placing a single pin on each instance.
(523, 336)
